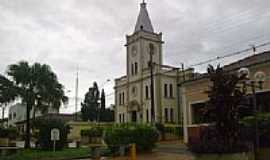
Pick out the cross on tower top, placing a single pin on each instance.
(143, 20)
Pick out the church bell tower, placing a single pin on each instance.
(138, 45)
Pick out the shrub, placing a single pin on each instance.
(143, 136)
(10, 133)
(44, 134)
(92, 132)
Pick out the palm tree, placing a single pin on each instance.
(7, 93)
(38, 88)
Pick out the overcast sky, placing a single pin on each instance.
(91, 34)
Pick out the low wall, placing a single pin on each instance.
(76, 127)
(194, 133)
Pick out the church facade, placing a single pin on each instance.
(133, 91)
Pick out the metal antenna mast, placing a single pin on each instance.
(76, 93)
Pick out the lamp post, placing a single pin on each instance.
(257, 83)
(104, 83)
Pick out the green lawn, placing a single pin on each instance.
(65, 154)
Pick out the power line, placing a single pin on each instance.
(220, 29)
(229, 55)
(231, 46)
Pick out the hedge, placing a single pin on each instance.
(8, 133)
(143, 136)
(92, 132)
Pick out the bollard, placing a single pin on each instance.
(133, 155)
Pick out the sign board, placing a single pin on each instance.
(55, 134)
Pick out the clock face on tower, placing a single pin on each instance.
(134, 51)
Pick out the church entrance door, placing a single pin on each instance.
(134, 116)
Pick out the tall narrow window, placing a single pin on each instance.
(120, 98)
(123, 96)
(147, 116)
(123, 117)
(132, 69)
(120, 118)
(172, 115)
(165, 90)
(146, 92)
(136, 68)
(166, 115)
(171, 90)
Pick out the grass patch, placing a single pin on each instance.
(64, 154)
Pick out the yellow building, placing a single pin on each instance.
(194, 94)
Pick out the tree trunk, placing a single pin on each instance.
(3, 115)
(27, 136)
(3, 112)
(34, 113)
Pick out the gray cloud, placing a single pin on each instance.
(91, 33)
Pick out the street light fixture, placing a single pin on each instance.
(254, 84)
(103, 84)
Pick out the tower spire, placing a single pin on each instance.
(143, 20)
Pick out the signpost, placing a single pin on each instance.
(55, 136)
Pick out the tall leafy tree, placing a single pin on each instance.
(106, 114)
(102, 106)
(225, 105)
(7, 93)
(102, 100)
(36, 85)
(90, 105)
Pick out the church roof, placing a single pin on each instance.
(143, 21)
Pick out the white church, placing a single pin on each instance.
(133, 91)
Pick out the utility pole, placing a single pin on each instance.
(76, 94)
(151, 65)
(178, 92)
(183, 71)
